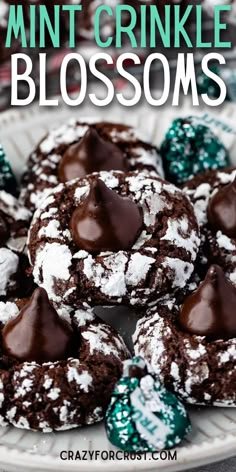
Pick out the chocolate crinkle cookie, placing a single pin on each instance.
(14, 224)
(113, 238)
(192, 346)
(213, 197)
(78, 148)
(55, 373)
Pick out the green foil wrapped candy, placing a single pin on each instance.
(191, 148)
(7, 179)
(143, 416)
(206, 85)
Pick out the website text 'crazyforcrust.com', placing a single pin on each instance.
(97, 455)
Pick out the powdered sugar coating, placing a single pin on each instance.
(161, 259)
(197, 370)
(9, 262)
(41, 174)
(10, 206)
(17, 218)
(216, 247)
(64, 394)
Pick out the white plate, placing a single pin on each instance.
(214, 429)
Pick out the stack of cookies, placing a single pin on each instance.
(103, 218)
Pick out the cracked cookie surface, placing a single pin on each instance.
(160, 261)
(41, 175)
(216, 246)
(65, 394)
(198, 371)
(14, 224)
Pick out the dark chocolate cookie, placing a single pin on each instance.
(192, 347)
(55, 395)
(14, 224)
(142, 240)
(214, 200)
(80, 148)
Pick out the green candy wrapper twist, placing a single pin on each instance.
(143, 416)
(7, 179)
(191, 148)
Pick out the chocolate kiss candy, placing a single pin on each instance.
(38, 333)
(210, 311)
(4, 231)
(90, 154)
(105, 221)
(222, 210)
(137, 372)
